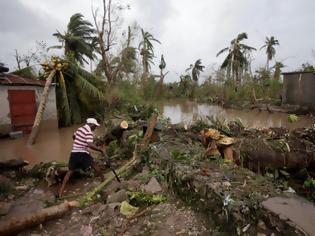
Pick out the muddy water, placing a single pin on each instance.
(51, 144)
(187, 112)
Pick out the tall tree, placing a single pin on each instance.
(105, 24)
(270, 49)
(77, 41)
(147, 51)
(162, 66)
(196, 69)
(236, 62)
(278, 66)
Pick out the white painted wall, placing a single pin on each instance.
(5, 118)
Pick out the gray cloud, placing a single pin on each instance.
(187, 29)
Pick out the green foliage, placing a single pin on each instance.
(179, 154)
(27, 72)
(307, 67)
(199, 125)
(236, 62)
(78, 39)
(79, 94)
(128, 209)
(292, 118)
(6, 188)
(270, 50)
(112, 148)
(146, 50)
(135, 138)
(141, 199)
(197, 68)
(309, 183)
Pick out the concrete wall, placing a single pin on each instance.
(298, 89)
(50, 114)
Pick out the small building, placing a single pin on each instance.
(19, 99)
(298, 88)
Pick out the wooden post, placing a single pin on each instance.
(149, 131)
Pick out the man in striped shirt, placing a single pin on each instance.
(80, 157)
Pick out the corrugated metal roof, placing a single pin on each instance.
(297, 72)
(9, 79)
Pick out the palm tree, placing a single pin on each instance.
(146, 50)
(278, 66)
(196, 69)
(76, 91)
(77, 41)
(236, 62)
(270, 50)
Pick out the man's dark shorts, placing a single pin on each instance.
(80, 160)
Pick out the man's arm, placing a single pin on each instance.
(95, 148)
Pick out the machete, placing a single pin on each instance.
(107, 163)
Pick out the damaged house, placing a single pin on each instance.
(19, 99)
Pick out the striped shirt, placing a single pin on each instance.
(82, 137)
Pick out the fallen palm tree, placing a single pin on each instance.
(19, 223)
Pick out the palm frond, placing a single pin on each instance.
(222, 51)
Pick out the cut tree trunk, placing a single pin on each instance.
(19, 223)
(259, 153)
(41, 109)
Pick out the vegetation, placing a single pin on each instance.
(77, 41)
(237, 60)
(123, 74)
(270, 50)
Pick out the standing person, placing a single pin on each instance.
(80, 157)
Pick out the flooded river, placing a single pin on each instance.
(55, 144)
(52, 144)
(187, 112)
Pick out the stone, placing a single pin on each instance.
(114, 205)
(134, 184)
(21, 188)
(4, 208)
(296, 210)
(153, 186)
(261, 234)
(226, 184)
(261, 225)
(38, 192)
(119, 196)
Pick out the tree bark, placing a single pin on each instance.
(41, 109)
(19, 223)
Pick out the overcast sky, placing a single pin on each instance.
(188, 29)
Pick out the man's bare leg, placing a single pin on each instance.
(98, 171)
(65, 181)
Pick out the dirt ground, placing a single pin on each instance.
(167, 218)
